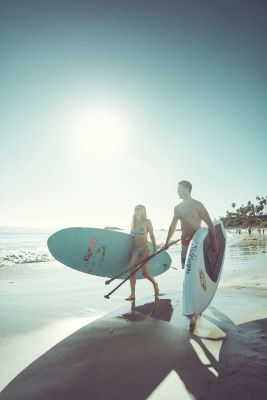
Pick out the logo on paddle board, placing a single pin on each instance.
(90, 249)
(97, 258)
(202, 280)
(191, 257)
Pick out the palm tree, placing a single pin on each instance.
(233, 205)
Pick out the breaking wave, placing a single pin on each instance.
(24, 256)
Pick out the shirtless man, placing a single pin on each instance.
(191, 213)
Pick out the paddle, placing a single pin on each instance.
(107, 296)
(128, 268)
(141, 262)
(118, 275)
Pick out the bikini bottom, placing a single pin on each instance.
(141, 251)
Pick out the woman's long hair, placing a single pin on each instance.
(142, 220)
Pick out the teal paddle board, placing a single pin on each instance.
(100, 252)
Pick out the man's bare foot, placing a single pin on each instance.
(192, 323)
(130, 298)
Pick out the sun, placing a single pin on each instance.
(99, 133)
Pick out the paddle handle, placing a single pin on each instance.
(117, 275)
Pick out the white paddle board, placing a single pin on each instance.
(203, 269)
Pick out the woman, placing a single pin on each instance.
(141, 226)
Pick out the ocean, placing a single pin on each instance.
(24, 254)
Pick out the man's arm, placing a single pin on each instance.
(172, 228)
(206, 218)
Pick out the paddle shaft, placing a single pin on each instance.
(117, 275)
(142, 262)
(140, 265)
(128, 268)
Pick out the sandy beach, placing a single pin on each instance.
(51, 348)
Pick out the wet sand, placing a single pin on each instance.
(146, 351)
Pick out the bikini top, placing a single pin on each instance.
(138, 231)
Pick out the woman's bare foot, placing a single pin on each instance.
(130, 298)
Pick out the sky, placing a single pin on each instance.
(108, 104)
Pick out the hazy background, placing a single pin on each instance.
(108, 104)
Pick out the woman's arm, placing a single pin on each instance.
(151, 234)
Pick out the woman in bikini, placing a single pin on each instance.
(141, 226)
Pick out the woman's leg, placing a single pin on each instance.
(133, 262)
(148, 276)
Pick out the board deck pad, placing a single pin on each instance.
(213, 262)
(100, 252)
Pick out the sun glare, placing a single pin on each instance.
(99, 133)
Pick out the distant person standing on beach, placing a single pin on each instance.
(141, 226)
(191, 213)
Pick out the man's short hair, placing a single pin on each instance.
(186, 185)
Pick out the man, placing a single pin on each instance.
(191, 213)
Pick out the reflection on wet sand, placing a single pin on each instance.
(160, 309)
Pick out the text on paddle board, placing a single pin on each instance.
(192, 256)
(90, 249)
